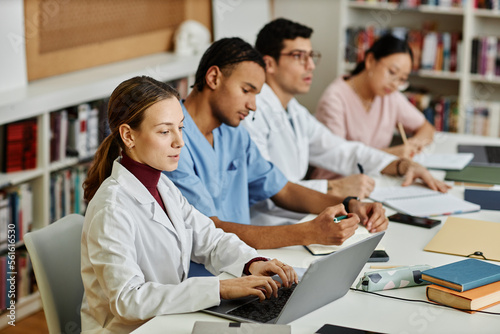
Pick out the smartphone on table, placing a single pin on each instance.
(413, 220)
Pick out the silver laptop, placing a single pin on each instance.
(326, 280)
(484, 155)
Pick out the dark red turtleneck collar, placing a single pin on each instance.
(148, 176)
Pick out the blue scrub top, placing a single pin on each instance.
(224, 180)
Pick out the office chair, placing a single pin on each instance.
(55, 255)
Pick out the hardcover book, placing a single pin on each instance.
(463, 275)
(472, 300)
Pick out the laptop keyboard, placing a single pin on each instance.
(493, 153)
(265, 310)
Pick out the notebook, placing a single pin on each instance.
(335, 273)
(420, 201)
(360, 234)
(448, 161)
(484, 155)
(476, 174)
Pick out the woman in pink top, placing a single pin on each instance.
(367, 106)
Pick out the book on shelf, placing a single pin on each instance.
(58, 135)
(463, 275)
(19, 146)
(482, 118)
(432, 50)
(469, 301)
(486, 4)
(66, 192)
(485, 57)
(83, 131)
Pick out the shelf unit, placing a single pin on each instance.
(471, 22)
(40, 98)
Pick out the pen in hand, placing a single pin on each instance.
(403, 134)
(361, 170)
(337, 220)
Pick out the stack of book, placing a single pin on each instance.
(469, 285)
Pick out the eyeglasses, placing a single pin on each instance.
(303, 56)
(402, 83)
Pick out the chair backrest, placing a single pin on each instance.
(55, 255)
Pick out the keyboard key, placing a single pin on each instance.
(265, 310)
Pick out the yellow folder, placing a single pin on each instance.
(464, 237)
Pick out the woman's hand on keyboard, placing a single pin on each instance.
(275, 267)
(260, 286)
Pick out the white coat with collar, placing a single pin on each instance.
(135, 258)
(292, 139)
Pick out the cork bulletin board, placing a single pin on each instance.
(69, 35)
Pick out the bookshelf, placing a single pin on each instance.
(470, 89)
(40, 98)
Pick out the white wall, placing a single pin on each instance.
(240, 18)
(322, 16)
(12, 45)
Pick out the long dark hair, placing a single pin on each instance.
(127, 105)
(383, 47)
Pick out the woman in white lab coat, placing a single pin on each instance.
(140, 233)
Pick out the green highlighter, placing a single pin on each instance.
(338, 219)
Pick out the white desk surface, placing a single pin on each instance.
(404, 244)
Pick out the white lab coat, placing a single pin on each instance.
(135, 258)
(293, 139)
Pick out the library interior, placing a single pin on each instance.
(435, 270)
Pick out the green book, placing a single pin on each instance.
(475, 174)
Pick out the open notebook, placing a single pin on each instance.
(420, 201)
(318, 249)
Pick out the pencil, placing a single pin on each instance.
(403, 134)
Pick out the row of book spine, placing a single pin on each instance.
(18, 145)
(66, 192)
(16, 278)
(440, 111)
(416, 3)
(16, 214)
(482, 118)
(485, 59)
(75, 132)
(432, 50)
(487, 4)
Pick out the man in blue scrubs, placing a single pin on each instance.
(222, 173)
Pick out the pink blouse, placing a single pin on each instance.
(342, 111)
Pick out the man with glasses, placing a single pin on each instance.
(292, 139)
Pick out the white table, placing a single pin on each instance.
(404, 244)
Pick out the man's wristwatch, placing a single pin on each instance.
(347, 200)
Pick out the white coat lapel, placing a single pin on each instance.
(176, 217)
(136, 189)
